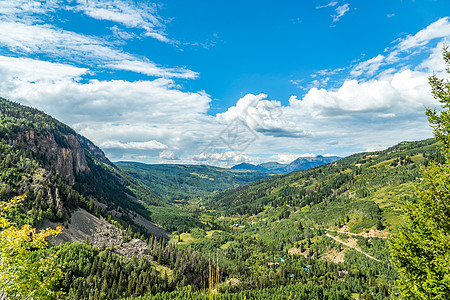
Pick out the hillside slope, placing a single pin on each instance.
(59, 170)
(181, 182)
(362, 190)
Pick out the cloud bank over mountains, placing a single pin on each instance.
(378, 102)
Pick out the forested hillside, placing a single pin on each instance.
(182, 182)
(362, 190)
(59, 170)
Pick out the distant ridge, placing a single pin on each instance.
(174, 182)
(246, 166)
(301, 163)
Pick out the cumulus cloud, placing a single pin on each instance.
(434, 63)
(146, 120)
(118, 100)
(406, 91)
(287, 158)
(113, 113)
(263, 116)
(401, 56)
(25, 69)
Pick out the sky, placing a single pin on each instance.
(219, 83)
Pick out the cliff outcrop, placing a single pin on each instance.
(62, 153)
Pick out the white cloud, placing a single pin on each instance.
(296, 82)
(406, 91)
(340, 11)
(284, 158)
(434, 63)
(332, 3)
(368, 67)
(25, 69)
(117, 114)
(110, 112)
(287, 158)
(122, 34)
(398, 57)
(438, 29)
(26, 10)
(225, 159)
(147, 145)
(167, 154)
(115, 100)
(152, 120)
(143, 16)
(263, 116)
(149, 68)
(24, 39)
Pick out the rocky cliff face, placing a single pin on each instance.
(63, 153)
(96, 151)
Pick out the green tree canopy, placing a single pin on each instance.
(421, 250)
(27, 271)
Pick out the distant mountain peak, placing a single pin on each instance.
(301, 163)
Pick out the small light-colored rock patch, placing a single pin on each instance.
(134, 248)
(334, 256)
(233, 282)
(297, 251)
(353, 242)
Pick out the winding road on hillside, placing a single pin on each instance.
(358, 234)
(345, 244)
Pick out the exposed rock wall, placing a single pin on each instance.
(66, 156)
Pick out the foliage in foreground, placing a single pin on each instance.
(421, 251)
(294, 291)
(26, 271)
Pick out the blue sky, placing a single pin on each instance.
(222, 83)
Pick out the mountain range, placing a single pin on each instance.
(301, 163)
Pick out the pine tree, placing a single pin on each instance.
(421, 250)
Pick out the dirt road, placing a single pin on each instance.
(345, 244)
